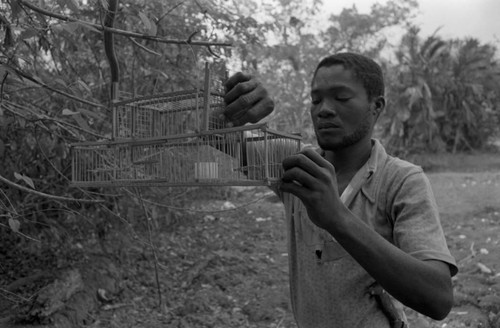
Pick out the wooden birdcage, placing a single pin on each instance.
(179, 139)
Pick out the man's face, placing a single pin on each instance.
(340, 108)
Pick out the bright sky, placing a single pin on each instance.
(457, 18)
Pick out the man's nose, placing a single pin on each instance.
(326, 108)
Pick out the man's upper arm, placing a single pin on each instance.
(417, 227)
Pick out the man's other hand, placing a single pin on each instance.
(247, 101)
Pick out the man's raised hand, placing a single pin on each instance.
(247, 101)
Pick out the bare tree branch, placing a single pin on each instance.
(40, 83)
(169, 11)
(109, 48)
(101, 28)
(41, 194)
(145, 48)
(40, 117)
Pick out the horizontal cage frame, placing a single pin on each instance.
(247, 155)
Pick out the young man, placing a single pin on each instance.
(361, 224)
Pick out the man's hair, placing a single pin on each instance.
(367, 71)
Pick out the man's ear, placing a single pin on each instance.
(378, 105)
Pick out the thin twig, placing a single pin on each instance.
(54, 197)
(169, 11)
(62, 93)
(19, 233)
(153, 248)
(144, 48)
(11, 205)
(101, 28)
(14, 294)
(42, 117)
(1, 87)
(185, 209)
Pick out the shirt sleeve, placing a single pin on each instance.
(417, 227)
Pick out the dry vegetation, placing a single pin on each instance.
(227, 267)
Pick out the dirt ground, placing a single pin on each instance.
(225, 263)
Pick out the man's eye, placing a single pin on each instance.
(315, 101)
(343, 99)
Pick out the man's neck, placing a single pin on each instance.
(349, 160)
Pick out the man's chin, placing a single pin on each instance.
(330, 144)
(336, 145)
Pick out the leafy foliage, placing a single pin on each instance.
(443, 95)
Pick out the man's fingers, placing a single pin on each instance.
(316, 157)
(259, 110)
(235, 79)
(303, 162)
(299, 177)
(294, 188)
(238, 87)
(243, 96)
(246, 100)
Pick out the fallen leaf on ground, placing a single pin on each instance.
(483, 268)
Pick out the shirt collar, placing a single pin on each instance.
(377, 157)
(365, 173)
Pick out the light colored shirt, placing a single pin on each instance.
(328, 287)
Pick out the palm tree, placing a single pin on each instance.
(410, 119)
(469, 96)
(443, 95)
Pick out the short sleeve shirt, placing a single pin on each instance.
(328, 287)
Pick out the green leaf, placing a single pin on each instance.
(403, 114)
(26, 179)
(70, 27)
(104, 3)
(61, 3)
(37, 79)
(14, 224)
(153, 30)
(83, 86)
(68, 112)
(28, 34)
(81, 122)
(16, 9)
(87, 26)
(72, 5)
(60, 82)
(145, 20)
(98, 116)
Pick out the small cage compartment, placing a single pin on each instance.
(176, 113)
(249, 155)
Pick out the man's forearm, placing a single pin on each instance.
(424, 286)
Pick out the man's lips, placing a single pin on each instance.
(327, 125)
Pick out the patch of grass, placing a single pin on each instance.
(462, 162)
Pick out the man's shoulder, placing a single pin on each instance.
(389, 165)
(396, 172)
(400, 166)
